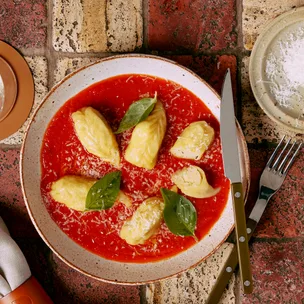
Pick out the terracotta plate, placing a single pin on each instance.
(18, 114)
(70, 252)
(8, 88)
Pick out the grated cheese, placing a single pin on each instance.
(284, 70)
(109, 222)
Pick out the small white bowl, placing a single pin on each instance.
(280, 31)
(66, 249)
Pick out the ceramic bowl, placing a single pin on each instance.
(66, 249)
(271, 46)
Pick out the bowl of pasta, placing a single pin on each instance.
(121, 170)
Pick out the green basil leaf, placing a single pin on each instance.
(137, 112)
(104, 192)
(179, 213)
(186, 214)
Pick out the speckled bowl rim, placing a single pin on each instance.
(245, 155)
(260, 92)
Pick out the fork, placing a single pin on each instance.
(273, 176)
(271, 180)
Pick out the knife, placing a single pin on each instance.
(232, 261)
(233, 172)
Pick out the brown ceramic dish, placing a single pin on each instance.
(17, 112)
(8, 93)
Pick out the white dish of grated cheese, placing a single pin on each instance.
(276, 70)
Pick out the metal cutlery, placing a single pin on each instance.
(271, 180)
(233, 172)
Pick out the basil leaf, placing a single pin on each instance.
(104, 192)
(137, 112)
(179, 213)
(186, 214)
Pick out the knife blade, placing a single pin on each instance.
(233, 172)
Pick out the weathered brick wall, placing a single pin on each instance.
(208, 36)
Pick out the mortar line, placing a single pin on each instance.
(239, 21)
(145, 15)
(6, 147)
(234, 51)
(237, 288)
(32, 51)
(61, 54)
(142, 294)
(230, 51)
(50, 52)
(239, 89)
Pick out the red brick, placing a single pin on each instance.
(283, 216)
(278, 273)
(23, 23)
(211, 68)
(70, 286)
(12, 207)
(185, 25)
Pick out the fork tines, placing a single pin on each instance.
(282, 162)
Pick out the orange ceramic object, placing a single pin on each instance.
(30, 292)
(18, 114)
(10, 88)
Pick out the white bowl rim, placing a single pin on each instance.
(240, 135)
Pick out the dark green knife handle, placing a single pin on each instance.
(228, 269)
(241, 237)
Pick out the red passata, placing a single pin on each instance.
(62, 154)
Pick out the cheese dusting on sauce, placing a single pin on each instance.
(63, 154)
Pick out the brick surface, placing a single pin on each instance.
(283, 217)
(97, 26)
(124, 25)
(180, 30)
(256, 14)
(38, 66)
(70, 286)
(194, 285)
(23, 23)
(64, 66)
(256, 125)
(211, 68)
(12, 207)
(63, 284)
(278, 273)
(199, 25)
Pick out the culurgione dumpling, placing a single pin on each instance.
(193, 141)
(192, 181)
(72, 190)
(123, 198)
(147, 138)
(96, 135)
(144, 222)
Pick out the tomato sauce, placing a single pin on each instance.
(63, 154)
